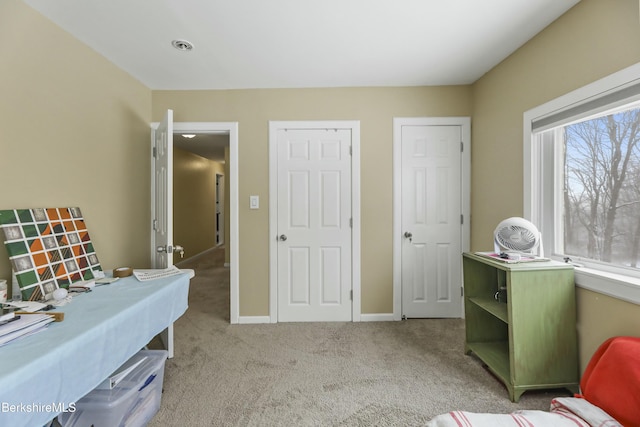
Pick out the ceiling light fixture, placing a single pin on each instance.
(182, 45)
(188, 135)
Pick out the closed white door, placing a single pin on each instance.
(431, 221)
(314, 246)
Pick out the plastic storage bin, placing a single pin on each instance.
(133, 400)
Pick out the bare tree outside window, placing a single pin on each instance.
(602, 188)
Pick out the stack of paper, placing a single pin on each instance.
(21, 325)
(145, 275)
(512, 258)
(8, 315)
(29, 306)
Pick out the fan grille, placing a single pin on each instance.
(516, 238)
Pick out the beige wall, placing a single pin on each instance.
(375, 108)
(194, 202)
(601, 317)
(74, 131)
(594, 39)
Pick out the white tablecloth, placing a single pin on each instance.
(41, 375)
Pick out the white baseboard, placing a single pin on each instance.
(253, 319)
(377, 317)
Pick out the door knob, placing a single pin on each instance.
(180, 249)
(283, 237)
(171, 249)
(408, 235)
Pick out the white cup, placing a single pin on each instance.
(3, 290)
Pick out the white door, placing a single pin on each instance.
(162, 206)
(219, 209)
(431, 221)
(162, 139)
(313, 220)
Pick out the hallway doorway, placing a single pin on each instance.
(230, 129)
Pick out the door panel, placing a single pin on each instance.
(330, 275)
(299, 199)
(431, 212)
(314, 209)
(299, 278)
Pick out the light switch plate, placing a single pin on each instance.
(254, 202)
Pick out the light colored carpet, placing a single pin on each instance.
(318, 374)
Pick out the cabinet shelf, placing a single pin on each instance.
(495, 355)
(530, 341)
(498, 309)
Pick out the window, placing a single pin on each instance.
(582, 180)
(596, 188)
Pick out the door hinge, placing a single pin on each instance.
(351, 294)
(351, 222)
(350, 150)
(155, 152)
(461, 219)
(461, 147)
(155, 225)
(461, 291)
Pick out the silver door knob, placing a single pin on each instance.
(179, 249)
(161, 249)
(408, 235)
(283, 237)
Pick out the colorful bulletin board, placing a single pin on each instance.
(49, 248)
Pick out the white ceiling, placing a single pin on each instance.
(303, 43)
(240, 44)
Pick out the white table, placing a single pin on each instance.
(44, 373)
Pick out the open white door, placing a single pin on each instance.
(162, 215)
(162, 206)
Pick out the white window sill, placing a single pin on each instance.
(615, 285)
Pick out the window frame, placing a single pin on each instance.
(540, 170)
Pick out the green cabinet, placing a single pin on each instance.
(521, 322)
